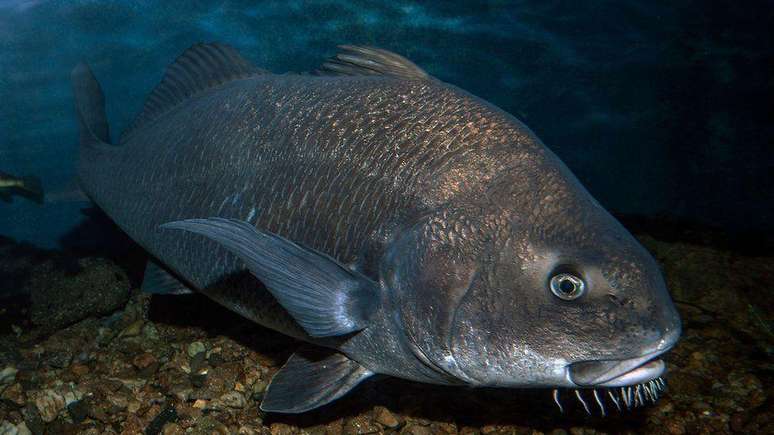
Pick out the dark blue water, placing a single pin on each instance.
(662, 108)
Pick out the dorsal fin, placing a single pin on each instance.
(200, 67)
(355, 60)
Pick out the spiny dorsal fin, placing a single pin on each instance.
(355, 60)
(200, 67)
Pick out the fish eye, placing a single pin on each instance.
(567, 286)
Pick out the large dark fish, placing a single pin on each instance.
(28, 187)
(406, 226)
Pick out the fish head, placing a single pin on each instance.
(552, 293)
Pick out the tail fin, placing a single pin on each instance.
(31, 189)
(90, 106)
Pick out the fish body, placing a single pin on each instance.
(407, 226)
(28, 187)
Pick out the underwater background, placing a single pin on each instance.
(663, 109)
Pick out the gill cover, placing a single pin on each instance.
(430, 270)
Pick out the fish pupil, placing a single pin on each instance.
(567, 286)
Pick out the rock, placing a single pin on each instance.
(59, 358)
(359, 425)
(162, 419)
(78, 410)
(146, 363)
(33, 420)
(59, 300)
(134, 329)
(15, 395)
(150, 332)
(23, 429)
(198, 361)
(79, 369)
(674, 427)
(259, 387)
(281, 429)
(8, 428)
(198, 379)
(233, 399)
(49, 403)
(7, 376)
(210, 426)
(386, 418)
(172, 429)
(133, 406)
(195, 349)
(416, 429)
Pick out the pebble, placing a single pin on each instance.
(145, 362)
(79, 369)
(78, 410)
(32, 419)
(210, 426)
(49, 403)
(674, 427)
(280, 429)
(15, 394)
(233, 399)
(8, 428)
(7, 376)
(150, 332)
(386, 418)
(59, 359)
(23, 429)
(416, 429)
(134, 329)
(172, 429)
(196, 348)
(163, 419)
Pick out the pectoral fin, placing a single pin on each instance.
(323, 296)
(310, 380)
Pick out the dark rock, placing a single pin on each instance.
(79, 410)
(59, 359)
(59, 300)
(33, 419)
(198, 379)
(167, 415)
(198, 361)
(61, 427)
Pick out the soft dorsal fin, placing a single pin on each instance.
(200, 67)
(355, 60)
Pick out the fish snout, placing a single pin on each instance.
(627, 371)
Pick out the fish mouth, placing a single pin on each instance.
(617, 373)
(625, 371)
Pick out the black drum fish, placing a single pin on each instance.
(402, 225)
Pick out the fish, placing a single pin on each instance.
(28, 187)
(396, 224)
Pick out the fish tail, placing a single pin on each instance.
(31, 188)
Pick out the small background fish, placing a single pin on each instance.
(28, 187)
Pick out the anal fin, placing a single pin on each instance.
(312, 378)
(158, 280)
